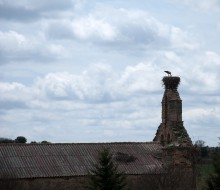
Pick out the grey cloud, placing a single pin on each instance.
(125, 30)
(205, 118)
(17, 13)
(35, 56)
(16, 47)
(203, 73)
(99, 84)
(8, 105)
(54, 5)
(60, 30)
(130, 29)
(211, 5)
(33, 10)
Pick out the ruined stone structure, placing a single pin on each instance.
(178, 151)
(168, 160)
(171, 130)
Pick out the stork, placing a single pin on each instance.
(169, 73)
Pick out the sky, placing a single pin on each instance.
(91, 70)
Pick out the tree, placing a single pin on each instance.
(200, 143)
(105, 175)
(33, 142)
(45, 142)
(20, 139)
(213, 181)
(6, 140)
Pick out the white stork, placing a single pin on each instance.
(168, 72)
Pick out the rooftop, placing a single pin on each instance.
(62, 160)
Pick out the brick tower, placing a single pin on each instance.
(171, 131)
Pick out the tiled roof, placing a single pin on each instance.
(59, 160)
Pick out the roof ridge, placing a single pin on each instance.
(90, 143)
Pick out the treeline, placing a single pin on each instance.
(206, 152)
(208, 172)
(21, 139)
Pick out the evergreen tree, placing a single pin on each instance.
(105, 175)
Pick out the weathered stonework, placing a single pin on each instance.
(178, 152)
(171, 131)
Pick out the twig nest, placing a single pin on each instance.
(171, 82)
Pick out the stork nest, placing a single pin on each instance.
(171, 82)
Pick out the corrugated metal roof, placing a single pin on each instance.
(59, 160)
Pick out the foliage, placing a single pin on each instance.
(33, 142)
(203, 171)
(6, 140)
(45, 142)
(213, 181)
(105, 175)
(20, 139)
(200, 143)
(204, 152)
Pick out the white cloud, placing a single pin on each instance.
(204, 73)
(63, 100)
(12, 41)
(139, 78)
(180, 39)
(120, 27)
(99, 83)
(14, 96)
(13, 91)
(91, 28)
(15, 46)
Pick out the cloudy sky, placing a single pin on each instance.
(91, 70)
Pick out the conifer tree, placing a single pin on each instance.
(105, 175)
